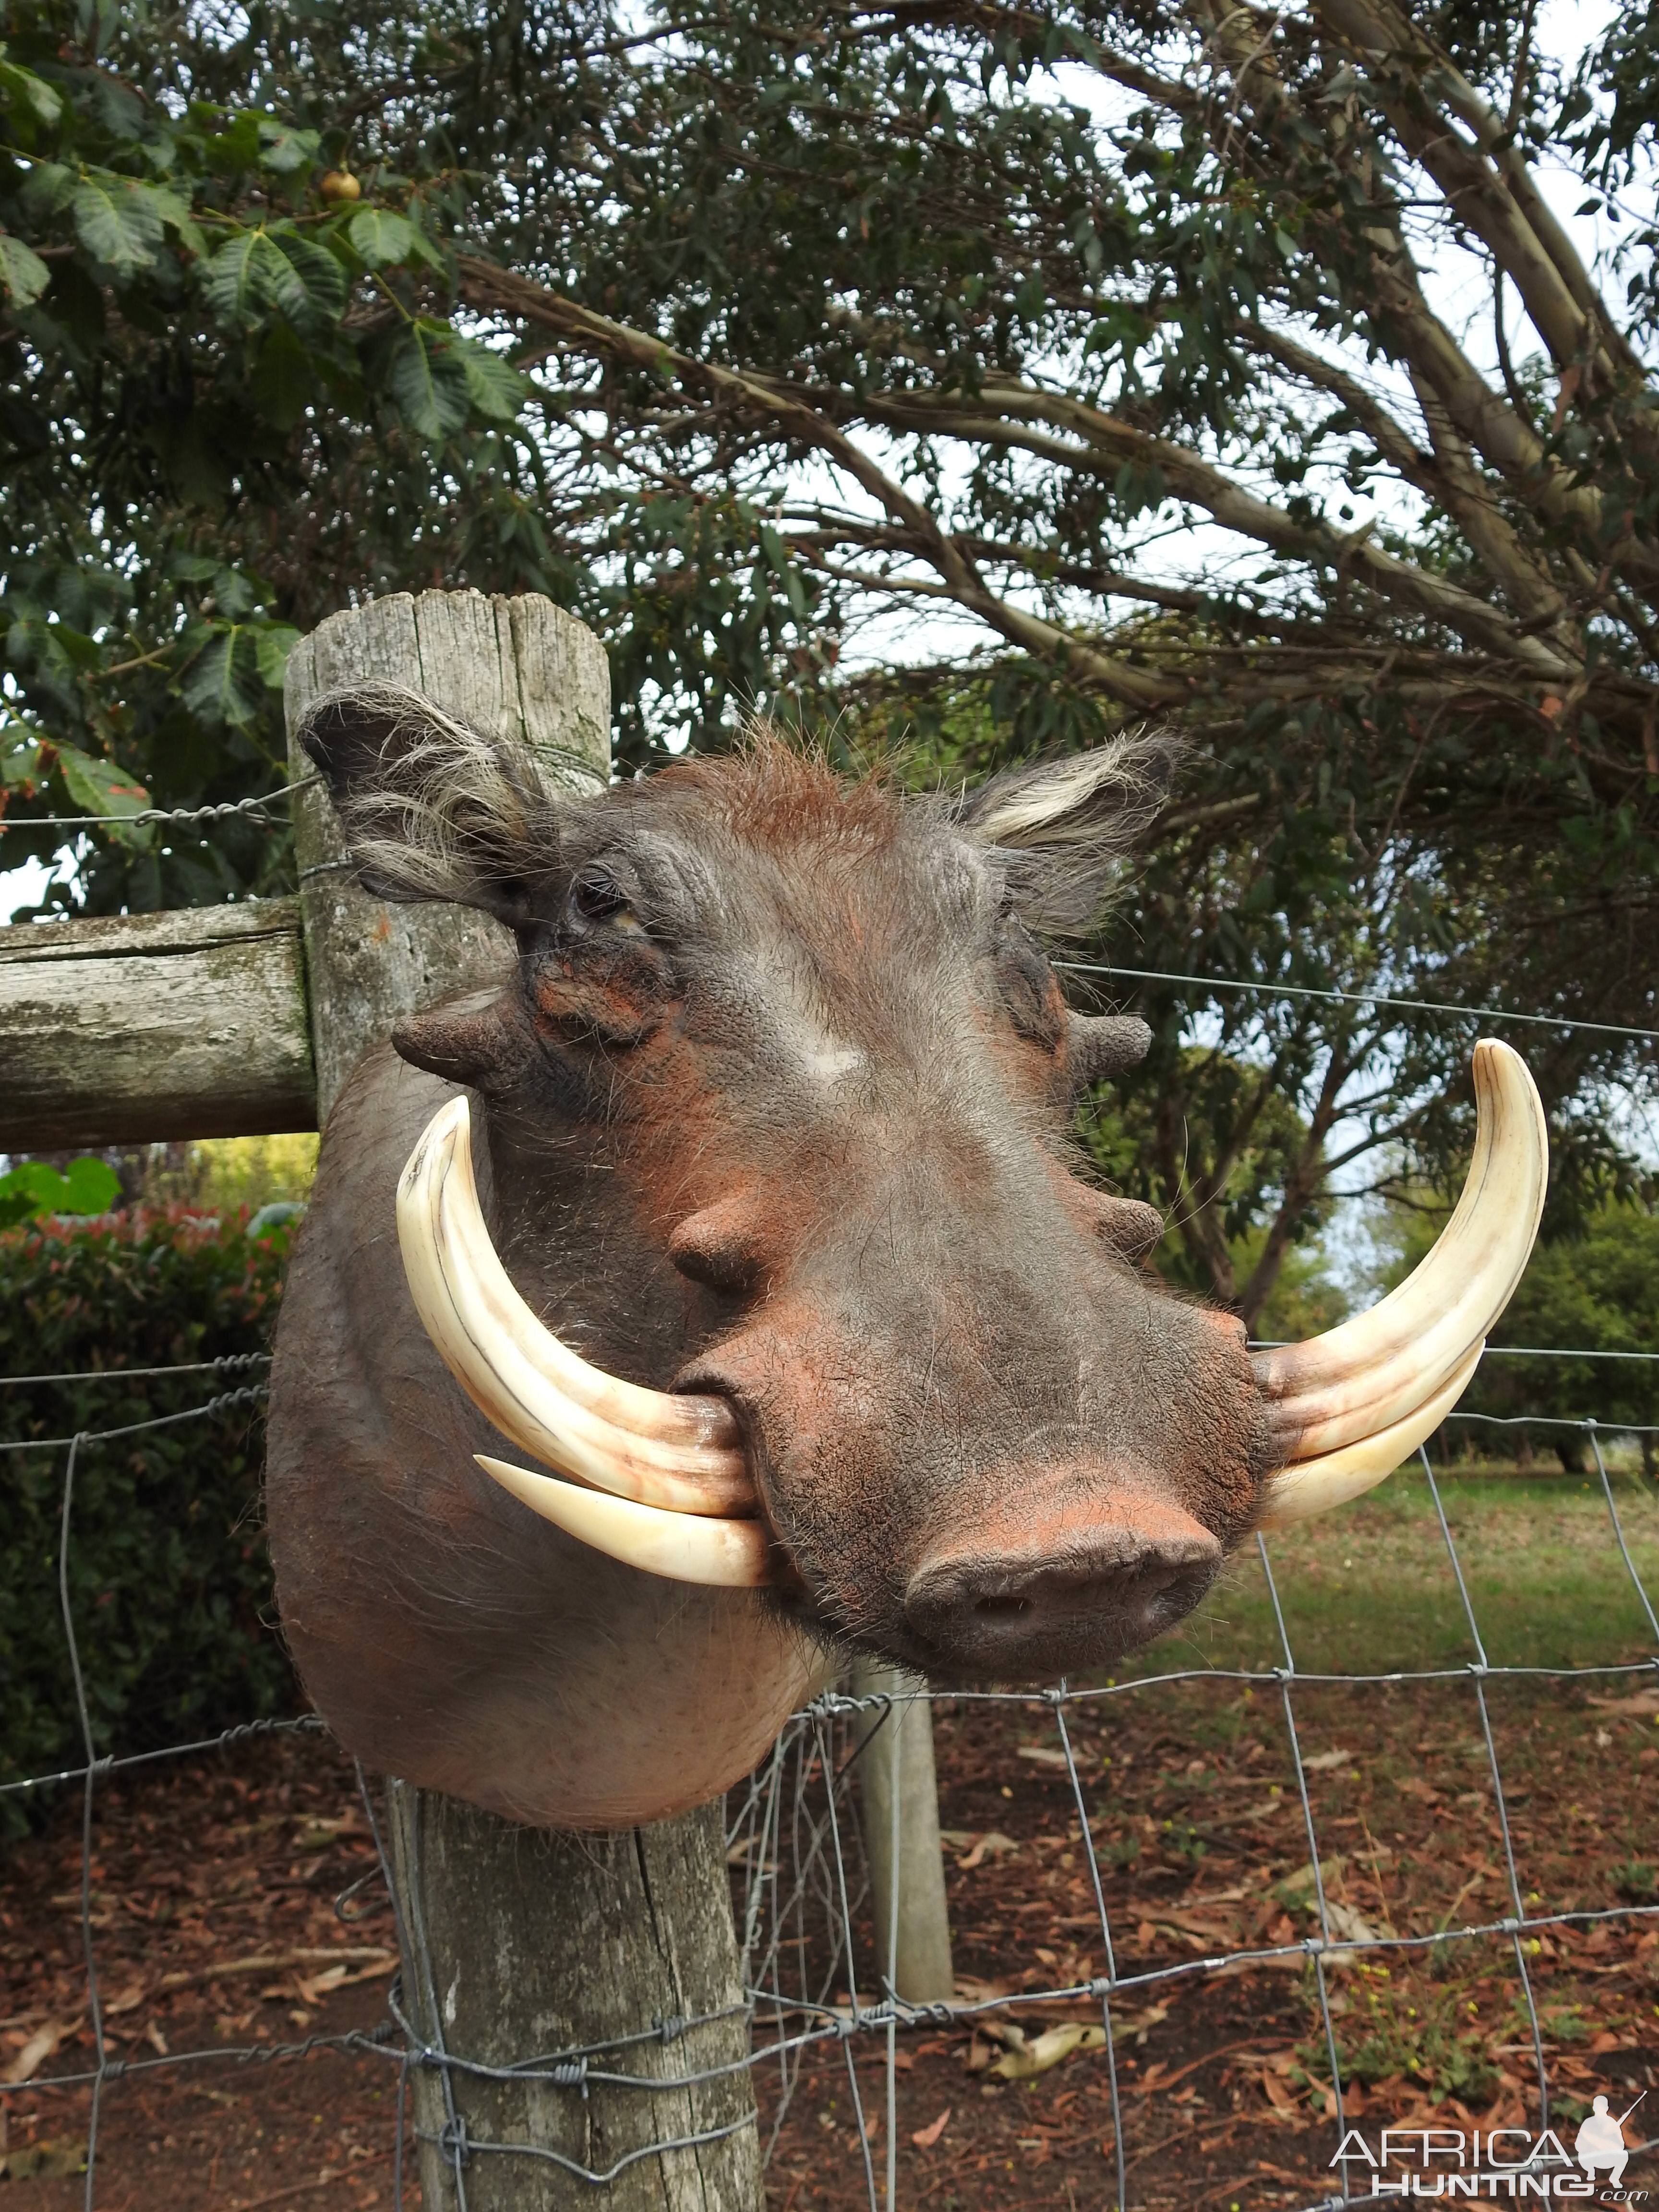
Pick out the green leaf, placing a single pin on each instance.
(48, 187)
(284, 378)
(429, 380)
(237, 146)
(23, 273)
(104, 787)
(20, 765)
(90, 1186)
(33, 1190)
(191, 567)
(272, 647)
(284, 151)
(380, 237)
(63, 641)
(119, 222)
(233, 594)
(319, 271)
(175, 213)
(249, 277)
(28, 1192)
(222, 683)
(20, 90)
(495, 388)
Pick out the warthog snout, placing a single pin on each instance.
(1070, 1593)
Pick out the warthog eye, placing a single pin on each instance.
(598, 896)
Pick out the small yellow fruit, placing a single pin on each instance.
(340, 184)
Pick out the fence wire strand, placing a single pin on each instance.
(794, 1837)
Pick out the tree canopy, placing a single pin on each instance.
(1232, 366)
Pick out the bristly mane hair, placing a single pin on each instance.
(431, 809)
(774, 786)
(1061, 828)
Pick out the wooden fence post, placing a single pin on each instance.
(517, 1943)
(899, 1801)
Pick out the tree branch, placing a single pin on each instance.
(1448, 477)
(799, 421)
(985, 421)
(1494, 193)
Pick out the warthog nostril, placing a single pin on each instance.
(1082, 1597)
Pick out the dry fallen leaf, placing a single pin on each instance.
(1327, 1762)
(1348, 1926)
(1278, 2095)
(925, 2138)
(1048, 2049)
(313, 1988)
(39, 2048)
(1300, 1888)
(992, 1844)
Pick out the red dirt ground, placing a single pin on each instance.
(214, 1884)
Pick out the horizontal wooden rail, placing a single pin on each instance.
(160, 1026)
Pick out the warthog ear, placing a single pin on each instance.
(1063, 826)
(431, 809)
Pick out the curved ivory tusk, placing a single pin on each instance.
(1360, 1381)
(683, 1546)
(681, 1453)
(1313, 1485)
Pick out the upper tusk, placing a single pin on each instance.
(1360, 1381)
(727, 1554)
(680, 1453)
(1313, 1485)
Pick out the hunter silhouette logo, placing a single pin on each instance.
(1601, 2142)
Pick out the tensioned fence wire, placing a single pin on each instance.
(793, 1833)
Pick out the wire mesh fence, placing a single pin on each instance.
(813, 2001)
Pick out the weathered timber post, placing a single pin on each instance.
(517, 1943)
(132, 1027)
(900, 1796)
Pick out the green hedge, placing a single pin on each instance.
(169, 1580)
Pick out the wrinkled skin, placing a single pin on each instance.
(774, 1104)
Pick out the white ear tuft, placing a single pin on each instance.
(1066, 825)
(1113, 791)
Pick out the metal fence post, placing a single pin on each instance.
(900, 1795)
(515, 1942)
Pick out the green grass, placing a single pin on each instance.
(1370, 1587)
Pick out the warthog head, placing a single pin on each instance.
(811, 1288)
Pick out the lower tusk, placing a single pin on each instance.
(683, 1547)
(680, 1453)
(1314, 1485)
